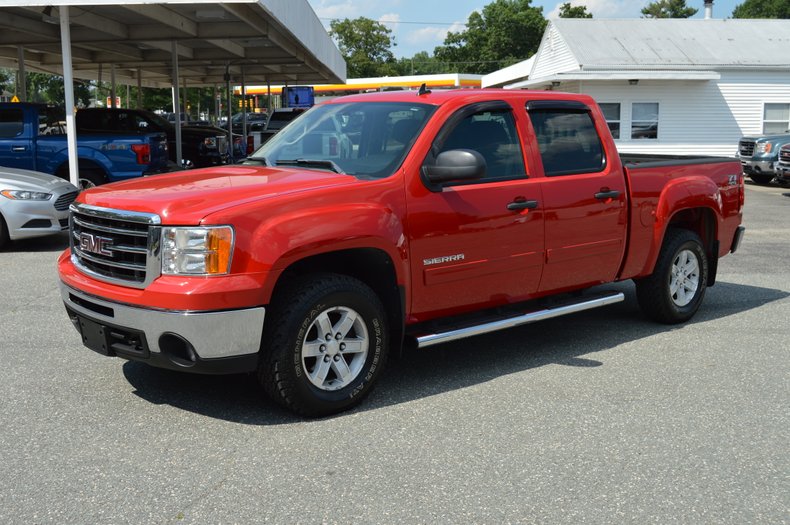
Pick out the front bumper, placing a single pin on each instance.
(28, 219)
(217, 342)
(757, 166)
(783, 172)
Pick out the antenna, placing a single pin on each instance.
(423, 90)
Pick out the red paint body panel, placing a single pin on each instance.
(283, 215)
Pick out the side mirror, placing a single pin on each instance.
(456, 165)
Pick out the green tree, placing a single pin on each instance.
(762, 9)
(578, 11)
(365, 45)
(49, 89)
(668, 9)
(506, 32)
(422, 63)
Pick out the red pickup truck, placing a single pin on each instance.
(445, 215)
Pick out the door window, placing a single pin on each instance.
(568, 141)
(492, 134)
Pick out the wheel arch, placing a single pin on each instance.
(372, 266)
(62, 170)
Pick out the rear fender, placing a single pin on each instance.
(61, 158)
(682, 198)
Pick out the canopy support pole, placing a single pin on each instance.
(176, 103)
(68, 87)
(22, 83)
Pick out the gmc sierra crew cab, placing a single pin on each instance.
(452, 214)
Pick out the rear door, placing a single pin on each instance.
(16, 143)
(477, 243)
(584, 197)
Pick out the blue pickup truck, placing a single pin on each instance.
(33, 137)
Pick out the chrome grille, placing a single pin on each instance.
(115, 246)
(746, 148)
(784, 154)
(63, 202)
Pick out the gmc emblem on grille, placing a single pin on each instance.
(95, 244)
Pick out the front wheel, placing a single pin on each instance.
(326, 345)
(674, 291)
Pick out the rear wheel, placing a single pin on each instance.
(90, 178)
(326, 347)
(674, 292)
(761, 178)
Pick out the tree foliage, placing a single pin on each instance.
(762, 9)
(668, 9)
(365, 45)
(578, 11)
(507, 31)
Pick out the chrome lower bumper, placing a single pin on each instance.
(213, 335)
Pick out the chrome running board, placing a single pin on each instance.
(426, 340)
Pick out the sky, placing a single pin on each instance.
(421, 25)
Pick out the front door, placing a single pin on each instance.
(476, 244)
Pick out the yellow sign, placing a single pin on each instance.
(14, 99)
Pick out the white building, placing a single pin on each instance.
(671, 86)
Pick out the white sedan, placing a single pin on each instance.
(33, 204)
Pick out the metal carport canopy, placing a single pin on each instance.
(271, 40)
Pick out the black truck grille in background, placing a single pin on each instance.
(63, 202)
(113, 248)
(746, 148)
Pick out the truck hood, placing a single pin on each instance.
(762, 138)
(187, 197)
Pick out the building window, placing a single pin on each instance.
(776, 118)
(611, 112)
(644, 120)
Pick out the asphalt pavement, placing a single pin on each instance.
(599, 417)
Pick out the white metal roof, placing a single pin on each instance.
(676, 43)
(517, 71)
(274, 40)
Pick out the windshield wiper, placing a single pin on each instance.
(317, 163)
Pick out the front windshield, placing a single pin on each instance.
(364, 139)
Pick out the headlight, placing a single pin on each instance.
(211, 142)
(762, 147)
(196, 251)
(24, 195)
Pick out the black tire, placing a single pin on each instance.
(761, 178)
(289, 377)
(91, 177)
(654, 293)
(3, 233)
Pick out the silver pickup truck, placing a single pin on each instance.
(759, 155)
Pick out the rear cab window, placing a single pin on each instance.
(567, 139)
